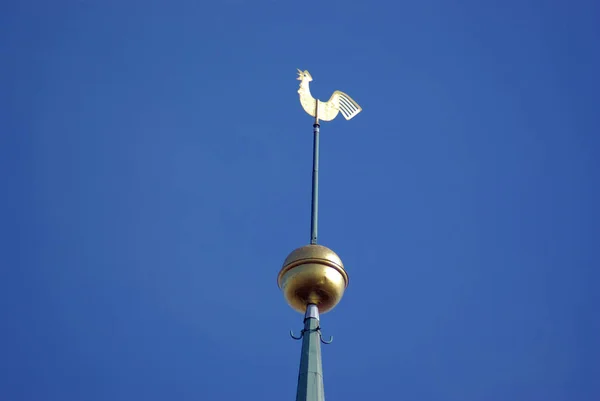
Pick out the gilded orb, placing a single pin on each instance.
(313, 274)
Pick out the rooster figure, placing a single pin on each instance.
(325, 111)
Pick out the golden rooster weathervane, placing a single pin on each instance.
(325, 111)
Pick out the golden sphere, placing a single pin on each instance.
(313, 274)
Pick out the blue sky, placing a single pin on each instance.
(155, 166)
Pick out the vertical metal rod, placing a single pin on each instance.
(314, 209)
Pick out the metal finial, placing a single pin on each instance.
(313, 278)
(325, 111)
(313, 274)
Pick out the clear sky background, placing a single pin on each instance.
(155, 165)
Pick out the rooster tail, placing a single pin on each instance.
(347, 105)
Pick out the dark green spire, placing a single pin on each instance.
(310, 376)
